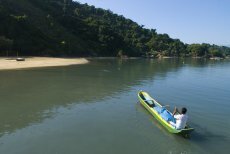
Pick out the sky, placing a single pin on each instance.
(191, 21)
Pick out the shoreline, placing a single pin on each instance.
(7, 63)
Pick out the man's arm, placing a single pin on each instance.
(175, 111)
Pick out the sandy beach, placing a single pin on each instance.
(32, 62)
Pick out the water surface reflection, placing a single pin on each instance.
(96, 102)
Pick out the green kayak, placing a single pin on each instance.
(151, 104)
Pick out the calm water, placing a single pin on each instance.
(93, 108)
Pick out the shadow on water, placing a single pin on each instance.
(203, 134)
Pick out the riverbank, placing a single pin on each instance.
(32, 62)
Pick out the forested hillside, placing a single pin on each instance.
(68, 28)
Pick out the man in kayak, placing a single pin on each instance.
(181, 118)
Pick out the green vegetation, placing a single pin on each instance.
(67, 28)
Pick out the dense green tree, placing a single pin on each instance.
(69, 28)
(198, 50)
(5, 45)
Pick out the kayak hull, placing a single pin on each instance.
(147, 103)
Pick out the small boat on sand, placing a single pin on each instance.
(20, 59)
(161, 113)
